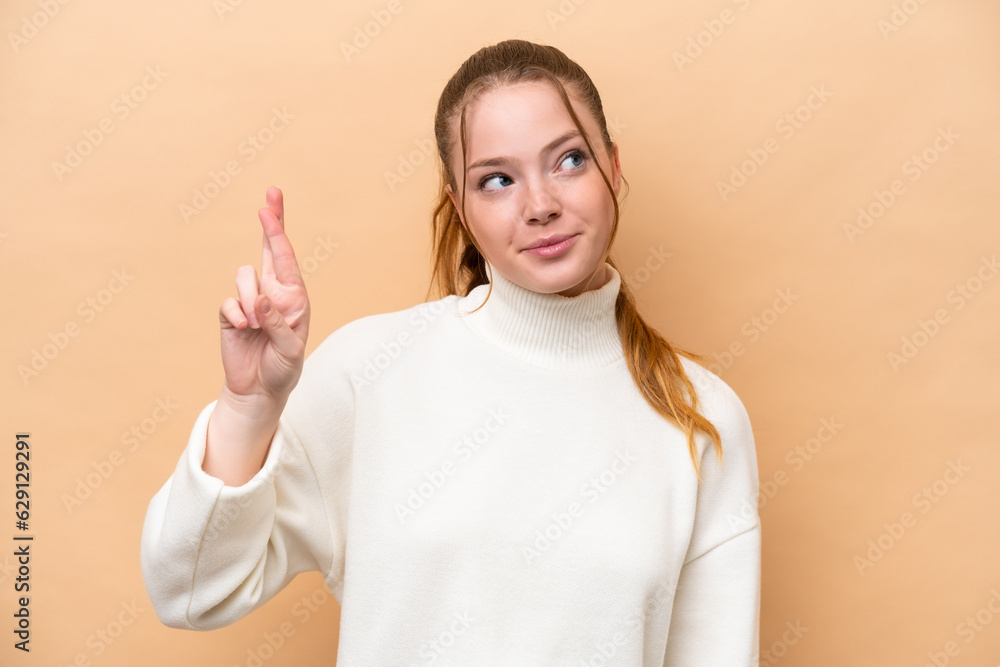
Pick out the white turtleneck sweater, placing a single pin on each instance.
(486, 489)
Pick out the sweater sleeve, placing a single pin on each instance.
(715, 620)
(212, 553)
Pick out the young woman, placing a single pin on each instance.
(520, 473)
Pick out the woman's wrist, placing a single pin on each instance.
(239, 437)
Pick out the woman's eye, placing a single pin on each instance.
(576, 155)
(482, 184)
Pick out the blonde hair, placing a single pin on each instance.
(459, 265)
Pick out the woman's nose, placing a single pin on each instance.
(542, 204)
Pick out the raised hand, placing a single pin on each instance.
(264, 329)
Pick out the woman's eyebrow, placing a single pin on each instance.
(506, 159)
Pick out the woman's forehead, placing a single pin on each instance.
(528, 115)
(525, 98)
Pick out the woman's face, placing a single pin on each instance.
(527, 182)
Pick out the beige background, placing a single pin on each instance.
(818, 378)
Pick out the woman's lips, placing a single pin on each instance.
(554, 249)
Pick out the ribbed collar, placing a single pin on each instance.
(548, 330)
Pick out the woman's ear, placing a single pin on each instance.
(454, 202)
(617, 170)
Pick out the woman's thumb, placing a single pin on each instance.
(271, 321)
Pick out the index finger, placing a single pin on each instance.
(275, 201)
(279, 258)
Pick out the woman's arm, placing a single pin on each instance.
(211, 553)
(243, 511)
(715, 620)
